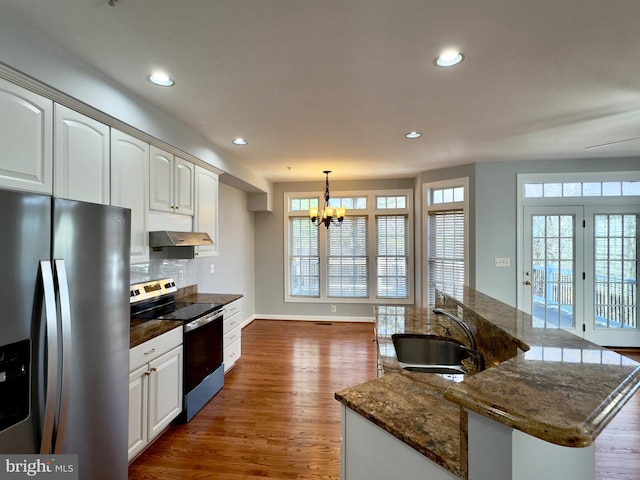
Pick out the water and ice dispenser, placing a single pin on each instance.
(14, 383)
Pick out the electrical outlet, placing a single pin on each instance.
(212, 269)
(502, 262)
(180, 275)
(333, 309)
(460, 312)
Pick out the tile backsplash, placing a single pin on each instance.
(182, 271)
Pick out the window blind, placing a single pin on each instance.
(304, 258)
(347, 258)
(392, 256)
(446, 252)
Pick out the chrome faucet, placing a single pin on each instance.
(478, 360)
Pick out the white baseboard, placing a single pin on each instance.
(308, 318)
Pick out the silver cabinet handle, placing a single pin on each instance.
(51, 333)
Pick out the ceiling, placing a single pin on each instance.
(317, 85)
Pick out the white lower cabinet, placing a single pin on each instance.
(232, 334)
(155, 388)
(360, 458)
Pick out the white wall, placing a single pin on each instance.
(234, 267)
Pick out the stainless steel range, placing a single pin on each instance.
(203, 368)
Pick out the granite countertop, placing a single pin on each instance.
(415, 412)
(550, 384)
(144, 330)
(411, 406)
(223, 298)
(558, 387)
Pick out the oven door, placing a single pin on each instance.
(202, 349)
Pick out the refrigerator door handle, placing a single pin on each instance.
(51, 330)
(60, 277)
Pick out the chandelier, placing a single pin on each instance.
(328, 214)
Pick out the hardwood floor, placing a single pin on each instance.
(276, 417)
(618, 446)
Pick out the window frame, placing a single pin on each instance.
(428, 208)
(372, 213)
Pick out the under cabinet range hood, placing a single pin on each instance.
(178, 245)
(167, 238)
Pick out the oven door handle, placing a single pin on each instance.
(203, 321)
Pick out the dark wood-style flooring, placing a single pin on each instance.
(276, 417)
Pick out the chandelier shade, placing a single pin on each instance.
(328, 215)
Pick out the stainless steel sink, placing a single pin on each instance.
(430, 353)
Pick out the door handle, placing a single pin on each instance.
(51, 334)
(60, 276)
(527, 282)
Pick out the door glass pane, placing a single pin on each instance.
(553, 271)
(616, 271)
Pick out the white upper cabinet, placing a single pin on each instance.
(26, 139)
(81, 157)
(206, 216)
(171, 187)
(129, 188)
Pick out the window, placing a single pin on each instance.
(581, 189)
(366, 258)
(304, 258)
(348, 258)
(446, 237)
(392, 254)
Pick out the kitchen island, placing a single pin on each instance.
(533, 413)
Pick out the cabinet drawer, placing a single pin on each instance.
(233, 308)
(231, 337)
(232, 354)
(231, 323)
(147, 351)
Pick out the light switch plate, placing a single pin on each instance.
(502, 262)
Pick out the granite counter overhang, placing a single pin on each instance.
(143, 330)
(558, 387)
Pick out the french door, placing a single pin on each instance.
(580, 271)
(553, 253)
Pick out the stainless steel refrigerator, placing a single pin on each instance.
(64, 331)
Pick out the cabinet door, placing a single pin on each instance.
(161, 180)
(129, 188)
(165, 390)
(26, 140)
(138, 410)
(81, 160)
(206, 216)
(184, 182)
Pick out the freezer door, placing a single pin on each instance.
(25, 222)
(91, 242)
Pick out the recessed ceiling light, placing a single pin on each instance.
(413, 135)
(240, 141)
(161, 79)
(449, 58)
